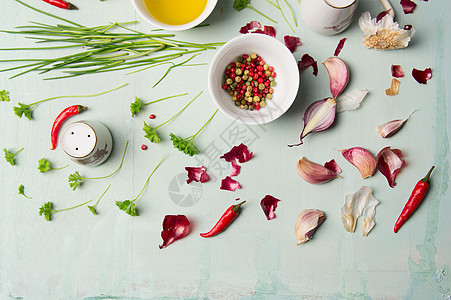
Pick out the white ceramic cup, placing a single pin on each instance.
(328, 16)
(140, 7)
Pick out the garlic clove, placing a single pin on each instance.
(338, 75)
(362, 159)
(308, 222)
(368, 215)
(390, 128)
(353, 207)
(351, 100)
(314, 173)
(389, 163)
(394, 88)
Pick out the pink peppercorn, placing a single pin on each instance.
(143, 147)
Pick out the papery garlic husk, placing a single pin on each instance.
(313, 172)
(389, 163)
(362, 159)
(353, 208)
(390, 128)
(338, 75)
(394, 88)
(368, 215)
(351, 100)
(319, 116)
(308, 222)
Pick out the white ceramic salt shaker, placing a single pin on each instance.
(87, 142)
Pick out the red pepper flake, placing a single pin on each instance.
(269, 205)
(152, 116)
(249, 26)
(408, 6)
(174, 228)
(198, 174)
(396, 71)
(340, 45)
(143, 147)
(229, 184)
(292, 42)
(422, 76)
(306, 62)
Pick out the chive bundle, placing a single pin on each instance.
(104, 50)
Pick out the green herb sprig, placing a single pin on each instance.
(21, 191)
(277, 5)
(93, 207)
(129, 206)
(47, 209)
(75, 179)
(4, 96)
(241, 4)
(136, 106)
(44, 166)
(187, 145)
(25, 109)
(151, 132)
(10, 157)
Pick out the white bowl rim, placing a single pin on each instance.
(217, 57)
(144, 13)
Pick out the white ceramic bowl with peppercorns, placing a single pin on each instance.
(275, 54)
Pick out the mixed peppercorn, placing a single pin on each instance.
(249, 81)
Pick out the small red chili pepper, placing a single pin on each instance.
(63, 116)
(61, 4)
(230, 214)
(415, 199)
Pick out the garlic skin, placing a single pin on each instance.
(394, 88)
(351, 100)
(308, 222)
(362, 159)
(390, 128)
(314, 173)
(353, 208)
(338, 75)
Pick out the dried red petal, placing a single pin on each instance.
(308, 61)
(389, 163)
(269, 205)
(174, 228)
(249, 26)
(340, 45)
(197, 174)
(382, 14)
(422, 76)
(292, 42)
(408, 6)
(333, 166)
(240, 152)
(269, 30)
(229, 184)
(396, 71)
(235, 168)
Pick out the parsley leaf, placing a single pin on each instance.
(4, 96)
(128, 206)
(187, 145)
(93, 207)
(44, 166)
(9, 156)
(47, 209)
(21, 191)
(23, 109)
(241, 4)
(151, 133)
(135, 106)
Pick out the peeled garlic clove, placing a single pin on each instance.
(313, 172)
(338, 75)
(362, 159)
(389, 163)
(368, 215)
(308, 222)
(390, 128)
(353, 207)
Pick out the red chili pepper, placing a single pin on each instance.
(230, 214)
(63, 116)
(61, 4)
(415, 199)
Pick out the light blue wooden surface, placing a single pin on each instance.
(114, 256)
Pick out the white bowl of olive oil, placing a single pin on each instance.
(174, 15)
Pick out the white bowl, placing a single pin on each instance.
(275, 54)
(140, 7)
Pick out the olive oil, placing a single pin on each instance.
(175, 12)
